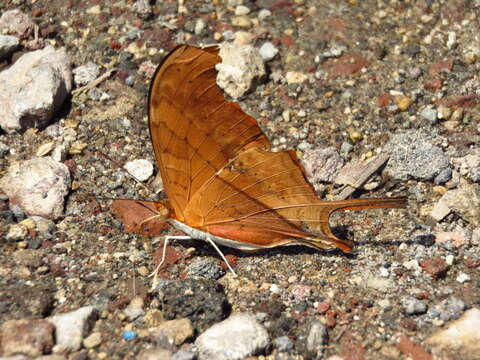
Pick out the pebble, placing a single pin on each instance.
(84, 74)
(465, 201)
(135, 309)
(268, 51)
(17, 232)
(429, 114)
(15, 22)
(141, 169)
(435, 266)
(444, 112)
(403, 102)
(128, 335)
(4, 150)
(322, 164)
(237, 337)
(241, 65)
(412, 154)
(183, 355)
(92, 340)
(283, 344)
(199, 27)
(8, 44)
(241, 21)
(244, 38)
(469, 165)
(71, 327)
(295, 77)
(317, 339)
(27, 337)
(443, 176)
(34, 88)
(155, 354)
(39, 186)
(460, 336)
(143, 8)
(449, 309)
(177, 331)
(241, 10)
(462, 278)
(263, 14)
(205, 267)
(413, 306)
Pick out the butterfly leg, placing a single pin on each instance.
(166, 239)
(221, 255)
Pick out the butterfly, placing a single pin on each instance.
(224, 183)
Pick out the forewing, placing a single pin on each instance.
(194, 130)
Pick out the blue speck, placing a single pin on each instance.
(127, 335)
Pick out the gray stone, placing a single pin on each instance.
(33, 89)
(413, 306)
(241, 65)
(413, 155)
(83, 74)
(317, 338)
(8, 44)
(73, 326)
(206, 267)
(429, 114)
(237, 337)
(38, 186)
(322, 165)
(283, 343)
(443, 176)
(16, 23)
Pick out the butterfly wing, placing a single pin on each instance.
(217, 168)
(194, 131)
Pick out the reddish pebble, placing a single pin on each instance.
(383, 100)
(445, 65)
(433, 84)
(436, 267)
(409, 324)
(472, 262)
(347, 64)
(322, 308)
(38, 12)
(413, 349)
(115, 45)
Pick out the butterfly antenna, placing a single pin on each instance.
(120, 166)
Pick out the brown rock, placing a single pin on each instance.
(435, 266)
(347, 64)
(413, 349)
(27, 337)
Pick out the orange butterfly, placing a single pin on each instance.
(224, 183)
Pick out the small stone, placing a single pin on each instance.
(429, 115)
(155, 354)
(263, 14)
(206, 267)
(462, 278)
(355, 136)
(435, 266)
(443, 176)
(268, 51)
(317, 339)
(283, 344)
(143, 8)
(242, 10)
(460, 337)
(237, 337)
(84, 74)
(322, 165)
(177, 331)
(403, 102)
(70, 327)
(444, 112)
(295, 77)
(38, 186)
(27, 337)
(135, 309)
(413, 306)
(141, 169)
(17, 232)
(241, 21)
(8, 44)
(93, 340)
(33, 89)
(94, 10)
(199, 27)
(15, 22)
(241, 66)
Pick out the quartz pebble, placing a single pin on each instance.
(141, 169)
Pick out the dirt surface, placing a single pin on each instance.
(391, 60)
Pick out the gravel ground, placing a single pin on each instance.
(361, 77)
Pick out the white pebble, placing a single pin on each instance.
(268, 51)
(141, 169)
(462, 277)
(263, 14)
(241, 10)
